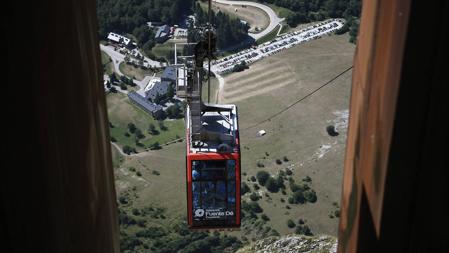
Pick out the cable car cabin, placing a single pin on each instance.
(213, 168)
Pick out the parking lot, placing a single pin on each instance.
(226, 65)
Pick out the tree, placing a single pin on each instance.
(157, 99)
(265, 217)
(155, 146)
(131, 127)
(170, 91)
(262, 177)
(271, 185)
(310, 196)
(173, 111)
(303, 230)
(152, 129)
(162, 126)
(298, 197)
(127, 149)
(290, 223)
(138, 133)
(113, 78)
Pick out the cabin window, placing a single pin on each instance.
(213, 192)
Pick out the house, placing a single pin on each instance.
(149, 107)
(155, 88)
(119, 39)
(162, 34)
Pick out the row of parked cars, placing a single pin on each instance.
(281, 43)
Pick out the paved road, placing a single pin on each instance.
(274, 19)
(116, 57)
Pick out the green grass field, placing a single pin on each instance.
(133, 72)
(167, 49)
(122, 112)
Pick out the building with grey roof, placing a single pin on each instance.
(169, 74)
(151, 108)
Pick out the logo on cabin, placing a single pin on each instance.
(199, 212)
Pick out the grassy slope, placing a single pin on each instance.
(300, 132)
(269, 36)
(133, 72)
(121, 112)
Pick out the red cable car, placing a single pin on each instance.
(213, 169)
(213, 145)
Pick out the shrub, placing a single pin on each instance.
(262, 177)
(132, 169)
(155, 146)
(123, 200)
(155, 172)
(307, 179)
(265, 217)
(253, 178)
(303, 230)
(244, 188)
(136, 211)
(288, 172)
(260, 165)
(291, 224)
(254, 196)
(331, 131)
(256, 187)
(151, 232)
(138, 173)
(285, 159)
(138, 133)
(310, 196)
(252, 207)
(298, 197)
(240, 67)
(301, 222)
(274, 232)
(127, 149)
(272, 185)
(131, 127)
(337, 213)
(113, 139)
(278, 161)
